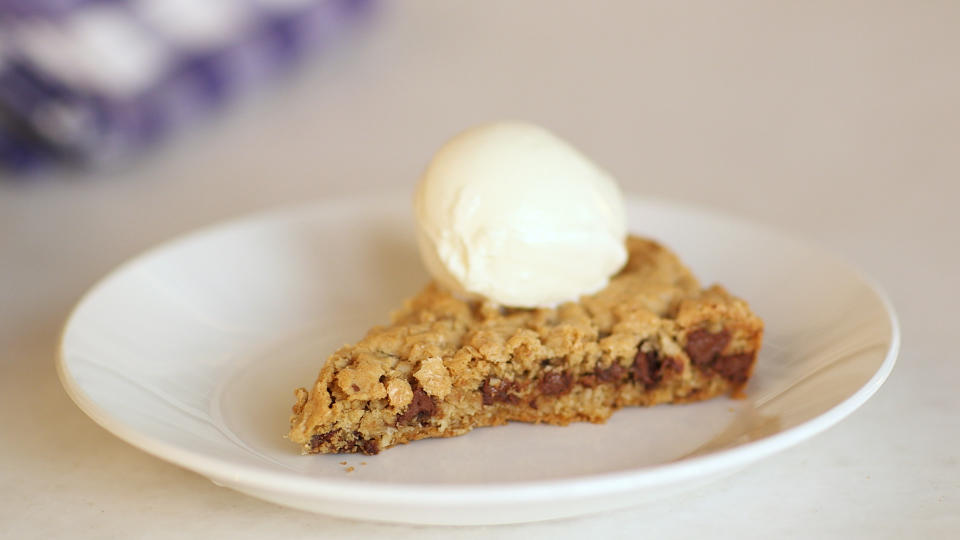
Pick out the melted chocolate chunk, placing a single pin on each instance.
(420, 409)
(734, 367)
(611, 374)
(369, 447)
(703, 347)
(672, 364)
(646, 368)
(555, 383)
(588, 381)
(320, 438)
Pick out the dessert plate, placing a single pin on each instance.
(191, 352)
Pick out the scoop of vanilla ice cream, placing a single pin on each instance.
(511, 212)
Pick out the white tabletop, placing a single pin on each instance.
(834, 122)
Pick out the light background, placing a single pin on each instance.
(835, 121)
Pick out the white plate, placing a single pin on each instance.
(191, 353)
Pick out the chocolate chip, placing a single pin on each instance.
(555, 383)
(355, 387)
(500, 392)
(703, 346)
(370, 447)
(588, 381)
(672, 364)
(320, 438)
(367, 446)
(646, 368)
(734, 367)
(489, 393)
(611, 374)
(421, 408)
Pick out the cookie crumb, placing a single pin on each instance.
(343, 462)
(349, 469)
(363, 462)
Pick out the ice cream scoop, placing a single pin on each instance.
(510, 212)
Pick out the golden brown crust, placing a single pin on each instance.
(447, 365)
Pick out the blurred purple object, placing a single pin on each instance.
(37, 7)
(90, 81)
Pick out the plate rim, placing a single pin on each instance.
(450, 495)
